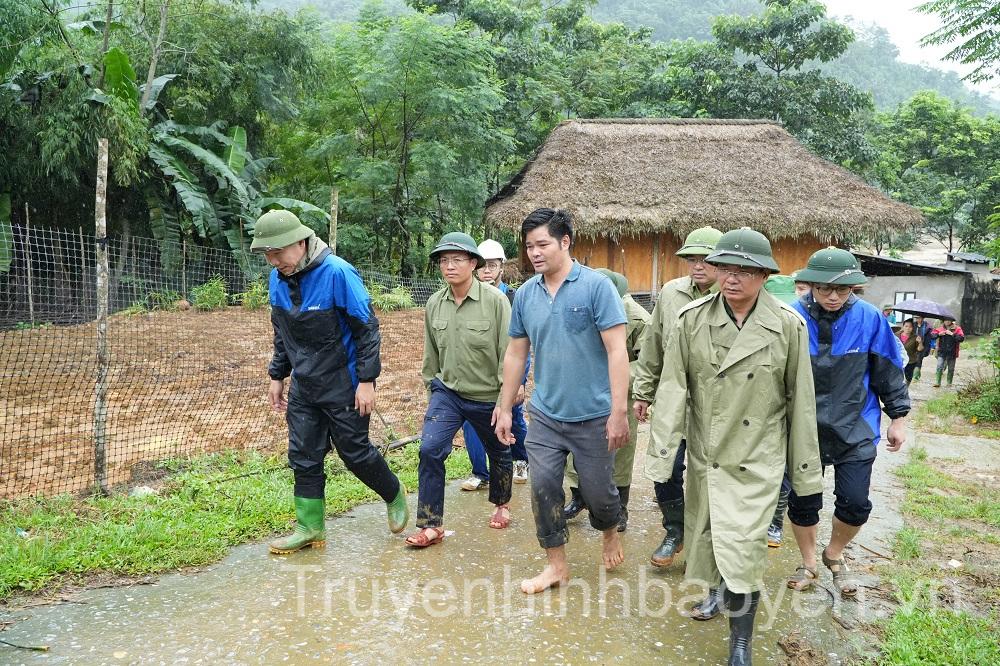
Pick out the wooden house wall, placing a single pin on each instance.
(633, 257)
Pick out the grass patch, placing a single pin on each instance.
(941, 499)
(940, 512)
(907, 544)
(920, 635)
(208, 505)
(971, 411)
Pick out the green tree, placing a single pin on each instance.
(73, 82)
(556, 62)
(405, 123)
(776, 49)
(976, 25)
(943, 160)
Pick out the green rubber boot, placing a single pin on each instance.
(937, 379)
(398, 512)
(916, 374)
(309, 530)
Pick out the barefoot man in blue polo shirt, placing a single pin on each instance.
(574, 319)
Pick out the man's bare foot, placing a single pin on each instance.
(613, 554)
(550, 577)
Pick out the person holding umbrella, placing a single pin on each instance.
(949, 336)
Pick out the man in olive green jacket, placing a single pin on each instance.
(465, 337)
(635, 328)
(668, 475)
(737, 385)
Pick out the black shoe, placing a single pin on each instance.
(575, 506)
(708, 607)
(623, 516)
(742, 610)
(673, 542)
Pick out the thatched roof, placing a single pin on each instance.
(632, 176)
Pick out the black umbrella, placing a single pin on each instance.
(921, 307)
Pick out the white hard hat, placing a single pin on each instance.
(490, 249)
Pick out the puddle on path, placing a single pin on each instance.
(366, 599)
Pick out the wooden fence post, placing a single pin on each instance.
(101, 388)
(27, 261)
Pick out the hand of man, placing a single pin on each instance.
(364, 398)
(641, 410)
(896, 434)
(519, 398)
(276, 395)
(502, 422)
(617, 430)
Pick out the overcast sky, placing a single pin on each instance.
(906, 27)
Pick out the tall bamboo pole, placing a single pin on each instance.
(101, 388)
(334, 205)
(27, 261)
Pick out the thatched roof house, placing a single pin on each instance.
(636, 187)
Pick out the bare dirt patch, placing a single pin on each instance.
(180, 383)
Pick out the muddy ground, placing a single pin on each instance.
(179, 383)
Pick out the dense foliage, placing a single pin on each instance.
(419, 112)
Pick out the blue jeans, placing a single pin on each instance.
(445, 414)
(477, 454)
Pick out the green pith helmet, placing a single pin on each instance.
(617, 279)
(276, 229)
(700, 242)
(832, 266)
(781, 287)
(795, 276)
(456, 241)
(743, 247)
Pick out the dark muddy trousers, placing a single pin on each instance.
(310, 431)
(852, 506)
(548, 443)
(446, 413)
(477, 453)
(672, 489)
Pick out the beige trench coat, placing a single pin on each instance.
(647, 369)
(752, 412)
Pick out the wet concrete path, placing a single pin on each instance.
(366, 599)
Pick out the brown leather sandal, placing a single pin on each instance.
(842, 578)
(421, 540)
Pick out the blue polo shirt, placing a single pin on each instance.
(571, 364)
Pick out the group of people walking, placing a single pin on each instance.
(920, 340)
(750, 396)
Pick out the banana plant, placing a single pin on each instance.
(206, 185)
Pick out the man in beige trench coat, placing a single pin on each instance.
(740, 360)
(668, 476)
